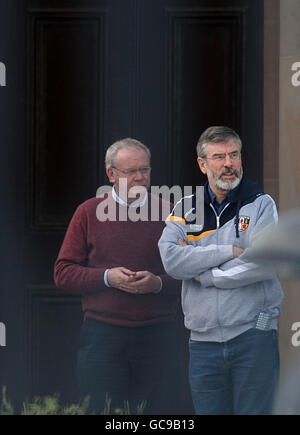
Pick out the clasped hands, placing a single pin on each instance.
(236, 253)
(143, 282)
(140, 282)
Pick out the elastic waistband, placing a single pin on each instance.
(225, 333)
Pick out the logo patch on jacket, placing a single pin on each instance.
(243, 222)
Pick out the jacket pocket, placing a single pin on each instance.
(238, 306)
(199, 307)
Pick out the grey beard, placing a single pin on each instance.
(225, 185)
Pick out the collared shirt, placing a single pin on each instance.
(120, 200)
(228, 198)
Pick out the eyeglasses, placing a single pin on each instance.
(234, 155)
(145, 170)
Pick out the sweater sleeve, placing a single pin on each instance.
(170, 286)
(70, 270)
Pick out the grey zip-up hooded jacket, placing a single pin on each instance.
(234, 294)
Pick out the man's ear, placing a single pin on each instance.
(110, 174)
(202, 164)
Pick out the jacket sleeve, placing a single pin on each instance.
(186, 262)
(243, 271)
(70, 270)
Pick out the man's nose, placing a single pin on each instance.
(228, 161)
(138, 174)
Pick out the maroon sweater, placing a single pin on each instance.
(90, 247)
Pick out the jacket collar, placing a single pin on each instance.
(245, 190)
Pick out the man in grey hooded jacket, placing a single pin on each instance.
(231, 304)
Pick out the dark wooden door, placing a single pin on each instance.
(81, 74)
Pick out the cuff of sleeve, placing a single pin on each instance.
(206, 279)
(106, 278)
(161, 284)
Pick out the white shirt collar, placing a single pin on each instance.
(120, 200)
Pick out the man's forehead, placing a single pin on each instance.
(128, 154)
(222, 147)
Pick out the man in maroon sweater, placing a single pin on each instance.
(127, 342)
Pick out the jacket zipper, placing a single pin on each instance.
(218, 217)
